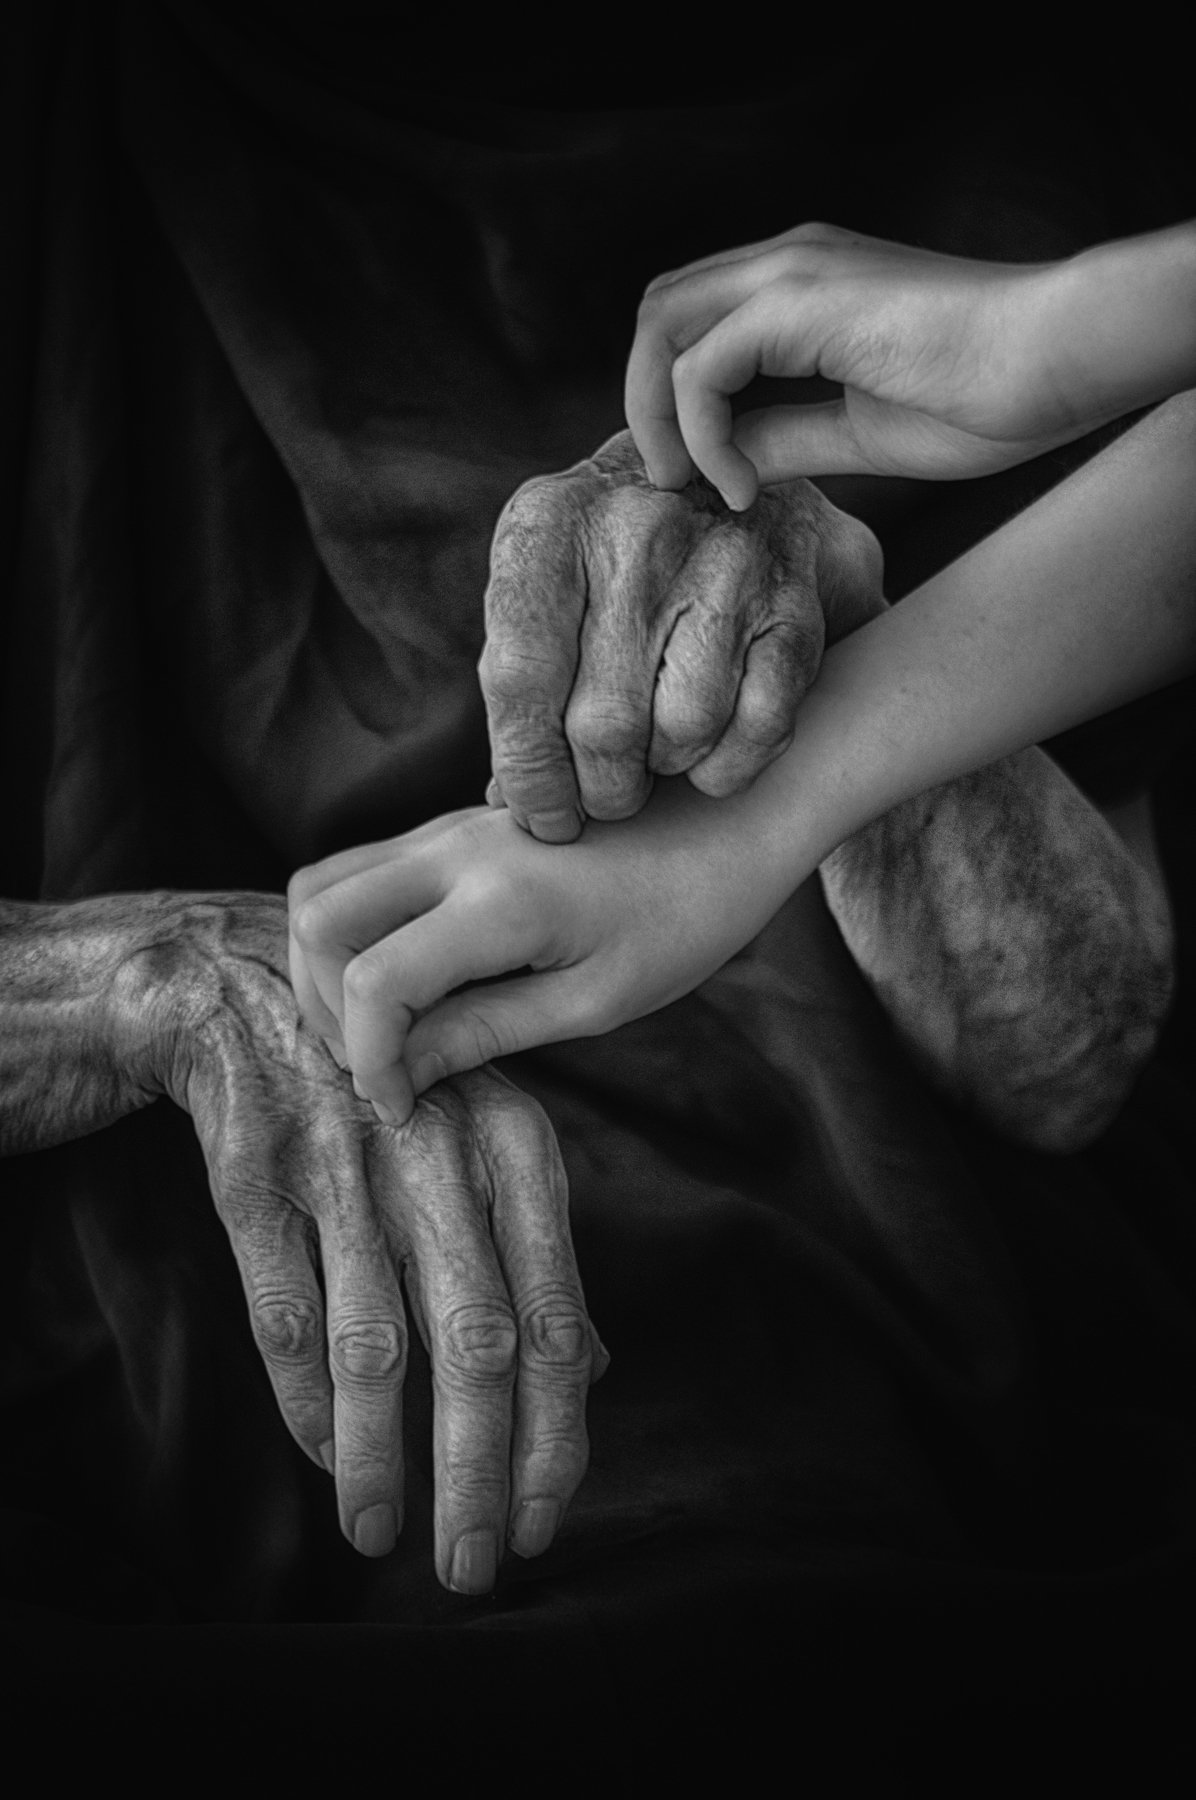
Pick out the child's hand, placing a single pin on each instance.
(389, 941)
(949, 367)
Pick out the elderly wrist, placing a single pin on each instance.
(69, 1037)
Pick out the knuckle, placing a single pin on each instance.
(301, 886)
(765, 719)
(368, 1349)
(514, 671)
(480, 1343)
(473, 1481)
(556, 1332)
(364, 980)
(694, 721)
(527, 505)
(812, 231)
(286, 1327)
(606, 724)
(311, 925)
(868, 556)
(719, 779)
(797, 647)
(651, 307)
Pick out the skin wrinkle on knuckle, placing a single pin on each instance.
(368, 1350)
(605, 723)
(479, 1343)
(287, 1328)
(555, 1333)
(519, 679)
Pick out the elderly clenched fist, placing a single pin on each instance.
(632, 633)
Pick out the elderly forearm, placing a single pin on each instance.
(1081, 603)
(68, 1017)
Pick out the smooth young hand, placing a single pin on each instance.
(390, 941)
(950, 367)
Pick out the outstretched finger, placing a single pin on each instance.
(367, 1358)
(275, 1251)
(473, 1349)
(550, 1449)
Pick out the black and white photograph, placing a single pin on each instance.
(597, 900)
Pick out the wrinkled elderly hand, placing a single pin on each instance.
(325, 1209)
(633, 633)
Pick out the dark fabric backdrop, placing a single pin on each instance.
(894, 1470)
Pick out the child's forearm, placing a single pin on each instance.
(1127, 319)
(1081, 603)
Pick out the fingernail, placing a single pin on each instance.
(337, 1053)
(475, 1563)
(556, 827)
(535, 1527)
(427, 1069)
(328, 1456)
(494, 795)
(375, 1530)
(386, 1115)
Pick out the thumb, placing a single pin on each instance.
(784, 442)
(494, 1019)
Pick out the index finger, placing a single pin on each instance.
(677, 310)
(534, 603)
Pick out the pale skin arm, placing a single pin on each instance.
(1084, 601)
(949, 367)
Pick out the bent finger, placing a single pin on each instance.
(550, 1451)
(334, 925)
(784, 442)
(407, 972)
(704, 377)
(780, 665)
(473, 1348)
(696, 686)
(534, 602)
(494, 1020)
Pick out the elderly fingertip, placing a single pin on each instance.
(535, 1525)
(376, 1530)
(474, 1568)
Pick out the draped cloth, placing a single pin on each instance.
(894, 1470)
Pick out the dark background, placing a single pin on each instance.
(294, 297)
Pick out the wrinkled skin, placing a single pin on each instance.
(1022, 950)
(633, 633)
(327, 1211)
